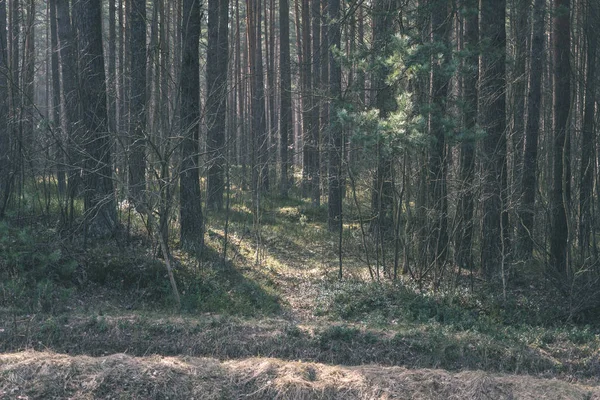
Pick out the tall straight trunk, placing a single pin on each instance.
(493, 120)
(120, 78)
(307, 104)
(520, 32)
(526, 212)
(588, 136)
(467, 147)
(240, 93)
(271, 84)
(191, 220)
(5, 169)
(285, 77)
(137, 152)
(561, 171)
(216, 84)
(335, 137)
(383, 32)
(13, 50)
(28, 80)
(165, 112)
(314, 166)
(59, 134)
(260, 174)
(112, 66)
(69, 105)
(99, 202)
(441, 23)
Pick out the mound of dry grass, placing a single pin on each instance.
(44, 375)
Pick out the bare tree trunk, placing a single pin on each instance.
(216, 84)
(285, 115)
(588, 137)
(467, 147)
(99, 199)
(5, 145)
(526, 212)
(561, 171)
(137, 148)
(493, 120)
(335, 137)
(441, 22)
(191, 219)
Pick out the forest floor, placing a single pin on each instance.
(279, 324)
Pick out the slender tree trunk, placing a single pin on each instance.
(528, 185)
(315, 65)
(112, 66)
(467, 147)
(69, 108)
(382, 191)
(5, 145)
(285, 114)
(28, 112)
(216, 84)
(441, 21)
(493, 119)
(306, 98)
(588, 142)
(138, 107)
(561, 171)
(191, 220)
(335, 127)
(60, 139)
(259, 133)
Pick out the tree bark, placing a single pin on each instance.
(493, 121)
(191, 219)
(99, 202)
(467, 146)
(588, 135)
(335, 136)
(5, 145)
(561, 171)
(285, 114)
(137, 150)
(526, 212)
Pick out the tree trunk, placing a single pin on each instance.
(5, 170)
(526, 212)
(467, 148)
(59, 134)
(216, 84)
(137, 150)
(99, 202)
(493, 120)
(561, 171)
(383, 33)
(285, 114)
(335, 127)
(260, 174)
(191, 220)
(441, 21)
(69, 107)
(588, 135)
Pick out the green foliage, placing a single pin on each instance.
(225, 291)
(35, 275)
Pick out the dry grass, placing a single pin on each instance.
(44, 375)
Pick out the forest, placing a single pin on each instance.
(299, 199)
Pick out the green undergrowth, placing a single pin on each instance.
(42, 273)
(463, 309)
(561, 352)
